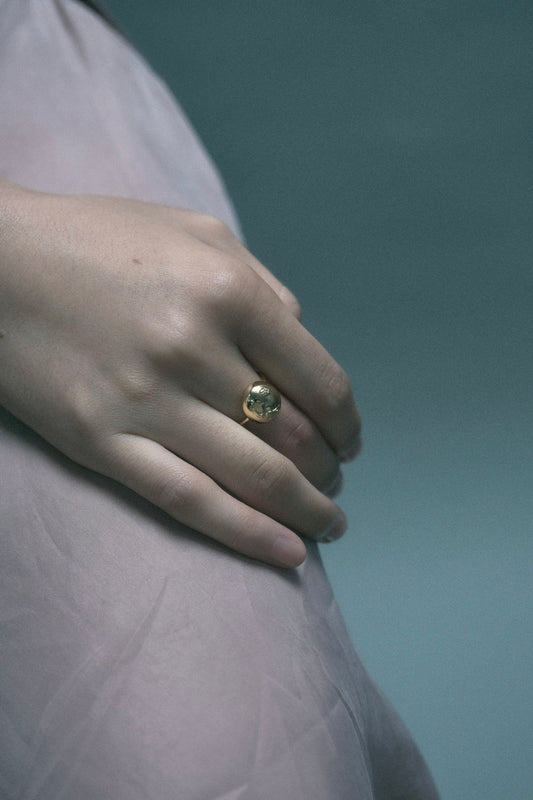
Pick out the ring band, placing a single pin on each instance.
(260, 402)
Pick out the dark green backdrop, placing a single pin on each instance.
(380, 156)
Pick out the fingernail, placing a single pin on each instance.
(351, 452)
(336, 529)
(288, 552)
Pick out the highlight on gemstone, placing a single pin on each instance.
(263, 402)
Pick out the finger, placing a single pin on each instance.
(288, 299)
(251, 470)
(292, 433)
(195, 500)
(215, 233)
(279, 347)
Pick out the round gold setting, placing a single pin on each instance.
(261, 402)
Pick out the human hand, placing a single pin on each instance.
(130, 331)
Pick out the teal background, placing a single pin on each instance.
(380, 157)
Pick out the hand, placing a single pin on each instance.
(130, 331)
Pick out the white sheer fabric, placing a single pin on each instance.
(140, 661)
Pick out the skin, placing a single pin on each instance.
(128, 332)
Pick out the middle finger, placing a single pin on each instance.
(292, 433)
(251, 470)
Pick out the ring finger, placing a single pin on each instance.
(291, 433)
(249, 469)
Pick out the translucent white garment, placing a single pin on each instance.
(140, 661)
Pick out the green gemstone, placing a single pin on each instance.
(263, 402)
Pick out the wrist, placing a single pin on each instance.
(18, 213)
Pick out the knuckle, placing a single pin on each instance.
(337, 391)
(178, 346)
(300, 435)
(230, 281)
(210, 224)
(178, 493)
(209, 228)
(218, 229)
(225, 279)
(271, 478)
(252, 536)
(134, 385)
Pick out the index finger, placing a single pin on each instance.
(213, 232)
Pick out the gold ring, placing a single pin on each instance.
(260, 402)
